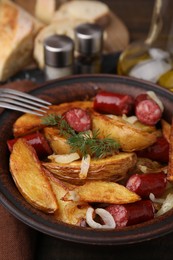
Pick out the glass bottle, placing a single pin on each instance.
(88, 47)
(58, 55)
(152, 59)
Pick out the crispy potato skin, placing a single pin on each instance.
(102, 191)
(129, 137)
(166, 129)
(30, 177)
(70, 212)
(58, 143)
(113, 167)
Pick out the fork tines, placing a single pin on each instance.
(20, 101)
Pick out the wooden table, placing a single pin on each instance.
(136, 14)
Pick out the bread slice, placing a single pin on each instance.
(91, 11)
(17, 29)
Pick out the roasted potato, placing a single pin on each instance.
(29, 123)
(58, 143)
(29, 176)
(102, 191)
(113, 167)
(129, 137)
(68, 211)
(166, 129)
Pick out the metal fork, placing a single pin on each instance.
(20, 101)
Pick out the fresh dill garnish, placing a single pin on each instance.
(57, 120)
(82, 141)
(51, 120)
(94, 146)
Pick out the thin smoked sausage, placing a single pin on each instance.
(78, 119)
(113, 103)
(159, 151)
(37, 140)
(133, 213)
(147, 110)
(144, 184)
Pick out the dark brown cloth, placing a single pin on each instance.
(17, 241)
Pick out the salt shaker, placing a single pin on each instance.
(58, 56)
(88, 47)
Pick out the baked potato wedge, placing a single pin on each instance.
(69, 212)
(28, 123)
(30, 178)
(166, 129)
(114, 167)
(102, 191)
(129, 137)
(58, 143)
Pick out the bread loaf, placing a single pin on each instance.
(91, 11)
(17, 31)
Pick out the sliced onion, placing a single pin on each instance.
(64, 158)
(130, 119)
(153, 96)
(167, 205)
(143, 168)
(105, 216)
(85, 164)
(154, 199)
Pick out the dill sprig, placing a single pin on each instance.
(83, 141)
(87, 144)
(57, 120)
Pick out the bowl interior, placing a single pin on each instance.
(64, 90)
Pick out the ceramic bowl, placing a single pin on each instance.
(64, 90)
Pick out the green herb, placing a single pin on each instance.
(83, 141)
(94, 146)
(57, 120)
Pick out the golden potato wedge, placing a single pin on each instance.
(28, 123)
(102, 191)
(166, 129)
(146, 128)
(58, 143)
(30, 178)
(129, 137)
(113, 167)
(70, 212)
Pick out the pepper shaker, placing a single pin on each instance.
(88, 47)
(58, 56)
